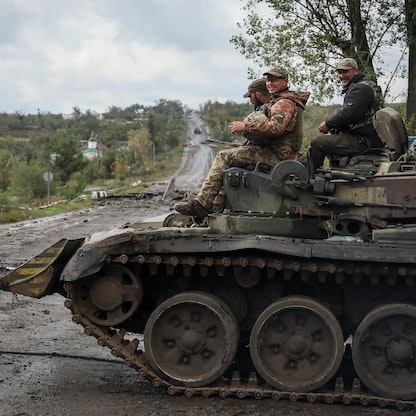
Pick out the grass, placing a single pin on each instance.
(16, 214)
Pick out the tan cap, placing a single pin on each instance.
(347, 63)
(277, 71)
(257, 85)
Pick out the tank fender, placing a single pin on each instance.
(39, 276)
(92, 255)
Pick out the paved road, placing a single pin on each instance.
(197, 158)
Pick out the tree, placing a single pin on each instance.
(92, 171)
(410, 11)
(113, 113)
(76, 113)
(140, 147)
(5, 171)
(130, 113)
(113, 132)
(120, 168)
(165, 122)
(107, 161)
(28, 182)
(75, 186)
(309, 36)
(68, 157)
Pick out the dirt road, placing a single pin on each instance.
(48, 366)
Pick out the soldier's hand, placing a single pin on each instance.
(237, 126)
(323, 128)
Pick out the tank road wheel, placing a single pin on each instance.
(384, 351)
(296, 344)
(191, 338)
(109, 297)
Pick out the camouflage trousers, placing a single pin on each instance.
(238, 157)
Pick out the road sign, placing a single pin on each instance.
(48, 176)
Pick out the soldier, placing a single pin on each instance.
(258, 93)
(351, 128)
(276, 138)
(259, 96)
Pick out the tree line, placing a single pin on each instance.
(132, 141)
(129, 140)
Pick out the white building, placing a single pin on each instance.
(92, 150)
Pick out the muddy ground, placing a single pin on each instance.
(48, 366)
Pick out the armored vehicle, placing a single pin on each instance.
(302, 288)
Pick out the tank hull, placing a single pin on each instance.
(115, 281)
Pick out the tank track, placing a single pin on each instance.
(235, 385)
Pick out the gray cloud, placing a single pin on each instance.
(97, 53)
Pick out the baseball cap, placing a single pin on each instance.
(277, 71)
(347, 63)
(257, 85)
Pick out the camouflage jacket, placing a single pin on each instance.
(283, 124)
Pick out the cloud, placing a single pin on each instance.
(97, 53)
(94, 54)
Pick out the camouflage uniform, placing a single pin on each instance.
(277, 138)
(255, 116)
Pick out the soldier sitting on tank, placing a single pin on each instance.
(259, 95)
(351, 131)
(277, 138)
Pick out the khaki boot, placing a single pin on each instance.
(192, 208)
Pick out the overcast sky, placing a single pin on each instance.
(94, 54)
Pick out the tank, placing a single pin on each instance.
(303, 288)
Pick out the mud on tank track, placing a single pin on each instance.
(348, 391)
